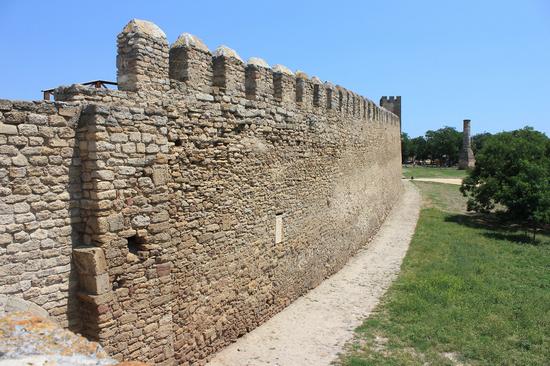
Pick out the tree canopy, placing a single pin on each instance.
(405, 147)
(442, 145)
(478, 141)
(512, 170)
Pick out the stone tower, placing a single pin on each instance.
(392, 104)
(466, 159)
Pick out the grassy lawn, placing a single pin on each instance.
(470, 292)
(445, 197)
(425, 172)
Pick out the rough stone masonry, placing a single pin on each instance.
(467, 159)
(169, 217)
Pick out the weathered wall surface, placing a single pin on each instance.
(197, 201)
(39, 204)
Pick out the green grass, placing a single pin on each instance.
(469, 292)
(425, 172)
(445, 197)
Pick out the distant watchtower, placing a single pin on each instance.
(466, 159)
(392, 104)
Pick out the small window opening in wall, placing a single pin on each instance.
(134, 243)
(239, 127)
(278, 228)
(118, 282)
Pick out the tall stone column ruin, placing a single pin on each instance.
(466, 158)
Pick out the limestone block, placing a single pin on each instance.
(89, 260)
(37, 119)
(21, 207)
(5, 208)
(24, 218)
(132, 258)
(127, 318)
(100, 226)
(69, 111)
(161, 175)
(18, 172)
(119, 137)
(97, 300)
(57, 121)
(163, 269)
(58, 143)
(21, 237)
(141, 221)
(15, 117)
(152, 148)
(28, 130)
(5, 239)
(18, 140)
(126, 170)
(39, 234)
(104, 175)
(8, 129)
(95, 284)
(129, 148)
(5, 105)
(116, 222)
(8, 150)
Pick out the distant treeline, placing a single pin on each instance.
(440, 147)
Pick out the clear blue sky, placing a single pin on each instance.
(449, 60)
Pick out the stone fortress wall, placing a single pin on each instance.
(196, 201)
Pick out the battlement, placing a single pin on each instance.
(391, 99)
(146, 63)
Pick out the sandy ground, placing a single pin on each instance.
(457, 181)
(314, 328)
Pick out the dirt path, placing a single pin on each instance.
(314, 328)
(457, 181)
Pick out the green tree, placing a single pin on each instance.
(479, 140)
(444, 145)
(419, 148)
(513, 170)
(405, 147)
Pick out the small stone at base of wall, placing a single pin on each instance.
(10, 304)
(27, 339)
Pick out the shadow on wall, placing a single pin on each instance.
(74, 187)
(83, 319)
(88, 276)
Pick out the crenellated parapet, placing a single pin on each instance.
(146, 64)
